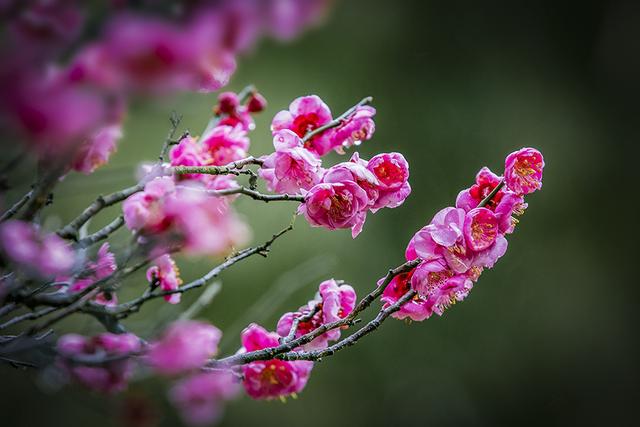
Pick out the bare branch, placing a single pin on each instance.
(103, 233)
(16, 207)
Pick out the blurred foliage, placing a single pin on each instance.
(547, 337)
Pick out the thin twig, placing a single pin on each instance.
(16, 207)
(491, 195)
(28, 316)
(256, 195)
(71, 230)
(175, 120)
(296, 322)
(203, 300)
(102, 234)
(70, 309)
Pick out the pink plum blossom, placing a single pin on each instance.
(225, 144)
(416, 309)
(523, 171)
(97, 150)
(103, 267)
(165, 272)
(392, 173)
(200, 397)
(358, 127)
(336, 205)
(480, 229)
(143, 211)
(185, 345)
(188, 152)
(511, 204)
(305, 114)
(25, 245)
(291, 168)
(267, 379)
(334, 302)
(109, 377)
(486, 181)
(355, 170)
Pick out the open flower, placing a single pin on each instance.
(167, 275)
(480, 229)
(225, 144)
(267, 379)
(486, 181)
(358, 127)
(416, 308)
(291, 168)
(355, 170)
(306, 114)
(392, 173)
(189, 153)
(333, 302)
(523, 171)
(336, 205)
(185, 345)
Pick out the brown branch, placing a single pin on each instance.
(102, 234)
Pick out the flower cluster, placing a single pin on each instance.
(460, 242)
(165, 274)
(112, 368)
(165, 215)
(66, 94)
(33, 251)
(93, 271)
(341, 196)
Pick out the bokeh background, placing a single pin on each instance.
(548, 337)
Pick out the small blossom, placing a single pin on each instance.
(485, 183)
(480, 229)
(166, 274)
(185, 345)
(103, 267)
(416, 309)
(392, 173)
(291, 168)
(200, 398)
(143, 211)
(256, 103)
(355, 170)
(523, 171)
(305, 114)
(511, 204)
(336, 205)
(188, 153)
(333, 302)
(225, 144)
(358, 127)
(109, 377)
(46, 254)
(267, 379)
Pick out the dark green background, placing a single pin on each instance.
(548, 337)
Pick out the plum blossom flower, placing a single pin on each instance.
(416, 309)
(225, 144)
(200, 397)
(305, 114)
(25, 245)
(165, 272)
(358, 127)
(143, 211)
(103, 267)
(291, 168)
(97, 150)
(185, 345)
(188, 153)
(355, 170)
(486, 181)
(511, 204)
(333, 302)
(336, 205)
(392, 172)
(523, 170)
(267, 379)
(480, 229)
(111, 376)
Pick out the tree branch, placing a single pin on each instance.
(16, 207)
(102, 234)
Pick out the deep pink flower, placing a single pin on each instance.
(416, 309)
(304, 115)
(267, 379)
(334, 302)
(109, 377)
(511, 204)
(523, 171)
(392, 172)
(486, 181)
(189, 153)
(143, 211)
(103, 267)
(97, 150)
(166, 273)
(185, 345)
(336, 205)
(256, 103)
(225, 144)
(291, 168)
(46, 254)
(358, 127)
(200, 398)
(355, 170)
(480, 229)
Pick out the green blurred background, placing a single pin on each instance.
(548, 337)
